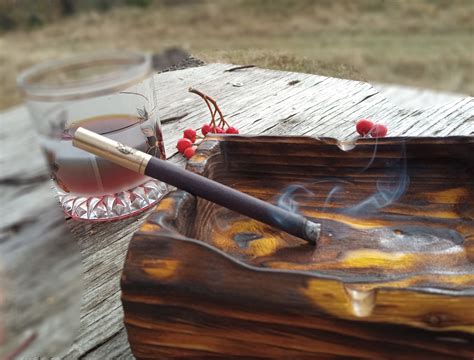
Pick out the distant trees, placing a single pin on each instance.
(68, 7)
(34, 13)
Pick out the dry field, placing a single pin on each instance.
(425, 43)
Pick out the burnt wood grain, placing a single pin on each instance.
(392, 275)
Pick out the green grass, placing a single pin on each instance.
(426, 43)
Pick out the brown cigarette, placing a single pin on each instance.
(197, 185)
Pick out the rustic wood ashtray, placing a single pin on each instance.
(392, 275)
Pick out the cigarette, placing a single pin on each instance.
(197, 185)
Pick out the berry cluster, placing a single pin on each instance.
(366, 127)
(185, 145)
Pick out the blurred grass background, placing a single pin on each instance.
(425, 43)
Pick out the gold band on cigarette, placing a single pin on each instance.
(114, 151)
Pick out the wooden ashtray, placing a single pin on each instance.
(392, 275)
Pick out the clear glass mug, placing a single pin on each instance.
(112, 94)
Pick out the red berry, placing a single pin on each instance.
(183, 144)
(218, 130)
(364, 127)
(190, 134)
(189, 152)
(379, 130)
(232, 130)
(205, 129)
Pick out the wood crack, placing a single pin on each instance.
(173, 118)
(239, 68)
(460, 125)
(102, 343)
(366, 98)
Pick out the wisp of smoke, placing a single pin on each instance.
(287, 199)
(387, 193)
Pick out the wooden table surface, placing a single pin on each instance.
(257, 101)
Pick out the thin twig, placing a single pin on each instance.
(213, 114)
(208, 99)
(217, 108)
(222, 122)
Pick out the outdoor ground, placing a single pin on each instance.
(425, 43)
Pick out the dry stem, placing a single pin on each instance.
(208, 99)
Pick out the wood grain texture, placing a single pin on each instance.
(213, 306)
(391, 194)
(394, 257)
(258, 101)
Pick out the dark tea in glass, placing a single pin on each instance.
(113, 95)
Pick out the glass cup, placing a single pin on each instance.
(111, 94)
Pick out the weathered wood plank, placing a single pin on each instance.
(412, 98)
(103, 248)
(40, 265)
(317, 106)
(254, 100)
